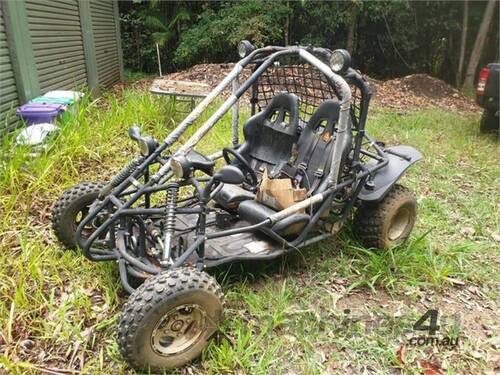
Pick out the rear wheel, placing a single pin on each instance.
(388, 222)
(489, 122)
(71, 208)
(169, 319)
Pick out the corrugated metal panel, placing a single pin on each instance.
(56, 44)
(56, 36)
(106, 44)
(8, 90)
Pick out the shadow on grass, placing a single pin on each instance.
(413, 263)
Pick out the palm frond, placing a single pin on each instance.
(163, 37)
(154, 22)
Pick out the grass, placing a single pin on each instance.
(59, 311)
(130, 76)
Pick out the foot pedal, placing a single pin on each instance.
(223, 220)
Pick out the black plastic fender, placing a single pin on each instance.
(391, 173)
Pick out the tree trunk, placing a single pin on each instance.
(351, 31)
(463, 43)
(287, 24)
(479, 44)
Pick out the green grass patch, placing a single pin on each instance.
(59, 310)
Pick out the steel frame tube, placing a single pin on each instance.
(344, 124)
(236, 113)
(339, 83)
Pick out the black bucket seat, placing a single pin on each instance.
(309, 167)
(271, 135)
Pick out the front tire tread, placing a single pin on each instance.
(151, 293)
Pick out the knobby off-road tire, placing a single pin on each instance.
(388, 222)
(71, 207)
(489, 122)
(169, 319)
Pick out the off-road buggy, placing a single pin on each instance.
(170, 214)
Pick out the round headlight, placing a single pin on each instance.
(177, 169)
(245, 48)
(147, 145)
(340, 60)
(143, 147)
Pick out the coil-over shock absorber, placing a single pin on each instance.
(171, 204)
(124, 173)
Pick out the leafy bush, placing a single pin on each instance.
(217, 32)
(385, 38)
(137, 42)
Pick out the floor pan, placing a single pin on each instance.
(242, 246)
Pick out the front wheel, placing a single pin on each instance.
(388, 222)
(169, 319)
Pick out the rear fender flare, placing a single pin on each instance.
(385, 178)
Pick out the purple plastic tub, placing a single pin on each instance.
(37, 113)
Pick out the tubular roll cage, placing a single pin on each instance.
(111, 196)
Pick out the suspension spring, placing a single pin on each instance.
(124, 173)
(171, 204)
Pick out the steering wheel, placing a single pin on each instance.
(247, 169)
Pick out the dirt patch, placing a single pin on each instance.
(463, 311)
(465, 305)
(413, 92)
(420, 91)
(210, 74)
(190, 88)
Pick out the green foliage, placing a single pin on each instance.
(165, 30)
(217, 32)
(143, 24)
(390, 38)
(139, 53)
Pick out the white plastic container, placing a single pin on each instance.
(65, 94)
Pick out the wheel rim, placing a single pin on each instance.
(178, 330)
(399, 223)
(88, 229)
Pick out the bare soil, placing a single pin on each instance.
(419, 91)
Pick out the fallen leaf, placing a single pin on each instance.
(454, 281)
(429, 368)
(401, 354)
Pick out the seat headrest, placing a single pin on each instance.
(328, 111)
(284, 102)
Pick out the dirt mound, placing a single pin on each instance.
(420, 91)
(412, 92)
(210, 74)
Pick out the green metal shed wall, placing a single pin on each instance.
(56, 36)
(106, 49)
(56, 44)
(8, 90)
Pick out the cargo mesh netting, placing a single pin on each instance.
(305, 81)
